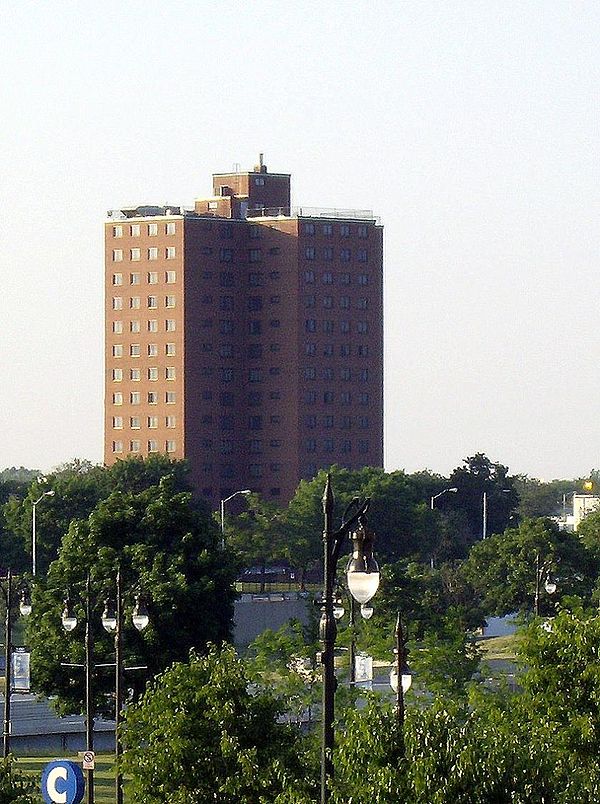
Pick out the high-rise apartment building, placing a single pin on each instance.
(245, 336)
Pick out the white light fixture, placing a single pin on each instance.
(406, 680)
(366, 611)
(338, 609)
(140, 615)
(550, 587)
(69, 620)
(109, 617)
(362, 573)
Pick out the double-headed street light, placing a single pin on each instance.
(362, 578)
(112, 621)
(33, 530)
(432, 500)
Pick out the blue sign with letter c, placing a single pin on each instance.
(62, 783)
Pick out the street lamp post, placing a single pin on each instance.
(33, 531)
(452, 490)
(113, 621)
(25, 609)
(362, 577)
(366, 611)
(231, 496)
(400, 679)
(542, 574)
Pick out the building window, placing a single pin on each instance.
(152, 350)
(153, 422)
(134, 445)
(117, 374)
(170, 277)
(152, 253)
(152, 302)
(255, 446)
(346, 446)
(309, 252)
(345, 397)
(135, 375)
(170, 325)
(310, 325)
(226, 326)
(117, 327)
(226, 255)
(134, 422)
(169, 349)
(134, 326)
(328, 327)
(327, 229)
(152, 398)
(308, 228)
(171, 227)
(170, 373)
(345, 279)
(117, 231)
(328, 278)
(328, 373)
(135, 230)
(170, 446)
(226, 374)
(328, 350)
(344, 230)
(362, 230)
(309, 373)
(310, 397)
(118, 255)
(134, 279)
(255, 232)
(255, 350)
(255, 327)
(153, 229)
(328, 397)
(363, 446)
(134, 303)
(311, 445)
(345, 350)
(327, 302)
(255, 303)
(345, 302)
(345, 255)
(328, 444)
(255, 280)
(117, 422)
(152, 445)
(169, 301)
(153, 373)
(117, 303)
(117, 350)
(153, 325)
(344, 327)
(310, 348)
(362, 279)
(135, 254)
(328, 422)
(117, 398)
(135, 398)
(259, 181)
(364, 375)
(255, 423)
(362, 255)
(254, 255)
(153, 278)
(170, 252)
(362, 327)
(117, 279)
(117, 446)
(170, 397)
(362, 304)
(254, 375)
(170, 421)
(346, 374)
(311, 422)
(328, 253)
(134, 350)
(309, 301)
(226, 279)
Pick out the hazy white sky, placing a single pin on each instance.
(471, 128)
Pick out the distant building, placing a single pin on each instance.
(583, 504)
(245, 336)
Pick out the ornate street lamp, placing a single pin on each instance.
(25, 610)
(400, 671)
(362, 577)
(542, 577)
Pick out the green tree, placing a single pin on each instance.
(168, 549)
(199, 735)
(477, 476)
(15, 786)
(502, 569)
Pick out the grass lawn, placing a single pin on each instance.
(104, 777)
(502, 647)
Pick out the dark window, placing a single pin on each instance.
(275, 395)
(275, 299)
(309, 252)
(226, 447)
(226, 350)
(328, 350)
(275, 442)
(345, 279)
(255, 350)
(363, 422)
(255, 232)
(328, 397)
(363, 350)
(275, 274)
(362, 255)
(254, 375)
(206, 251)
(226, 255)
(310, 325)
(328, 373)
(255, 280)
(225, 422)
(226, 303)
(308, 228)
(346, 374)
(255, 423)
(309, 373)
(328, 278)
(226, 326)
(206, 347)
(328, 422)
(362, 279)
(309, 277)
(254, 327)
(344, 326)
(363, 231)
(363, 446)
(309, 301)
(328, 253)
(274, 250)
(328, 444)
(345, 255)
(226, 399)
(254, 255)
(346, 446)
(255, 303)
(344, 230)
(345, 397)
(227, 470)
(226, 231)
(310, 348)
(311, 445)
(363, 398)
(255, 446)
(255, 398)
(328, 327)
(274, 323)
(226, 279)
(346, 423)
(327, 229)
(226, 375)
(345, 350)
(328, 302)
(310, 397)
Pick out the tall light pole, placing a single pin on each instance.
(542, 574)
(25, 609)
(362, 576)
(113, 621)
(231, 496)
(452, 490)
(484, 511)
(400, 679)
(33, 531)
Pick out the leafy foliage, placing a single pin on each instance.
(199, 735)
(167, 549)
(15, 786)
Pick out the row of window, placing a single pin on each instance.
(230, 470)
(136, 446)
(135, 302)
(327, 254)
(151, 278)
(345, 350)
(135, 229)
(135, 422)
(310, 373)
(226, 445)
(151, 326)
(135, 350)
(344, 422)
(345, 397)
(344, 302)
(328, 327)
(344, 229)
(135, 254)
(136, 374)
(152, 397)
(328, 278)
(329, 445)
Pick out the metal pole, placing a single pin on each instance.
(327, 635)
(536, 600)
(399, 668)
(89, 703)
(352, 642)
(33, 541)
(222, 524)
(7, 659)
(119, 689)
(484, 523)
